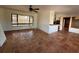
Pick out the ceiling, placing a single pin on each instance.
(58, 8)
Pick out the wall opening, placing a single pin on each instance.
(66, 21)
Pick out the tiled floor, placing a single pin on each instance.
(38, 41)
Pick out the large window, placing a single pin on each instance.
(19, 20)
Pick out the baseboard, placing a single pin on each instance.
(43, 31)
(20, 30)
(26, 29)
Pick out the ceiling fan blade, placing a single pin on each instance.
(36, 8)
(35, 11)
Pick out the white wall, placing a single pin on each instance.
(53, 28)
(43, 24)
(2, 17)
(61, 23)
(5, 18)
(41, 20)
(52, 17)
(71, 29)
(2, 36)
(74, 30)
(45, 18)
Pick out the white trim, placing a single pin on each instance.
(61, 23)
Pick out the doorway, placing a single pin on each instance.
(66, 23)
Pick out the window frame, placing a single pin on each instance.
(21, 23)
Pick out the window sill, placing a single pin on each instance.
(21, 25)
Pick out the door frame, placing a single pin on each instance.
(62, 22)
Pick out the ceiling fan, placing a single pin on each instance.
(33, 9)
